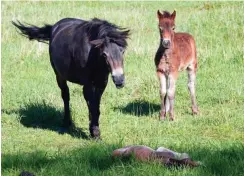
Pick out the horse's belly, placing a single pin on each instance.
(185, 64)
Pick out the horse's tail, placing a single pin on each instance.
(32, 32)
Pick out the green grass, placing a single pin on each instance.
(32, 106)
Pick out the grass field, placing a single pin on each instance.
(32, 106)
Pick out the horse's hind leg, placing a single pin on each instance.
(65, 96)
(191, 86)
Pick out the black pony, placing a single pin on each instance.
(83, 52)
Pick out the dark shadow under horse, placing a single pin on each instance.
(41, 115)
(83, 52)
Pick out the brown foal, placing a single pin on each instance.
(177, 52)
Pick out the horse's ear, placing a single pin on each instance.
(173, 15)
(160, 15)
(97, 43)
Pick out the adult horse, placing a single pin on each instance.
(83, 52)
(176, 52)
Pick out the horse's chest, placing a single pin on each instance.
(167, 64)
(78, 75)
(164, 66)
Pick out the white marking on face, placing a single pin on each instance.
(117, 72)
(166, 39)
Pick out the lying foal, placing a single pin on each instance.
(161, 155)
(177, 52)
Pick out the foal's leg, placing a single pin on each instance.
(163, 96)
(171, 93)
(92, 95)
(191, 86)
(65, 96)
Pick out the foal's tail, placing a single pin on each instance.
(32, 32)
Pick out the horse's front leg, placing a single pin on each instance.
(171, 93)
(163, 97)
(92, 95)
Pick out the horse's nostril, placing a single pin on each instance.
(120, 85)
(118, 80)
(166, 42)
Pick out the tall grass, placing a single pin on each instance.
(32, 106)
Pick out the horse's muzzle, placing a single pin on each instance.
(166, 43)
(119, 81)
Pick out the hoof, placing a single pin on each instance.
(95, 132)
(171, 117)
(195, 111)
(162, 116)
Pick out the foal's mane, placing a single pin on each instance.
(102, 29)
(166, 14)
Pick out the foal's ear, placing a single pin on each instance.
(160, 15)
(97, 43)
(173, 15)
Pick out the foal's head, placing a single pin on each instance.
(166, 27)
(112, 52)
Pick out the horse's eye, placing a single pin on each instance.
(161, 28)
(104, 55)
(173, 28)
(122, 51)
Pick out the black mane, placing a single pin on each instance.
(102, 29)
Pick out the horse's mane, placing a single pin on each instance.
(100, 29)
(166, 14)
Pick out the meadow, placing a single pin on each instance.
(32, 108)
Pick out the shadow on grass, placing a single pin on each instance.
(96, 160)
(139, 108)
(88, 160)
(44, 116)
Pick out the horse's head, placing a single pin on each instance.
(112, 52)
(166, 27)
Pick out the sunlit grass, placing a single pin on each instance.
(32, 106)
